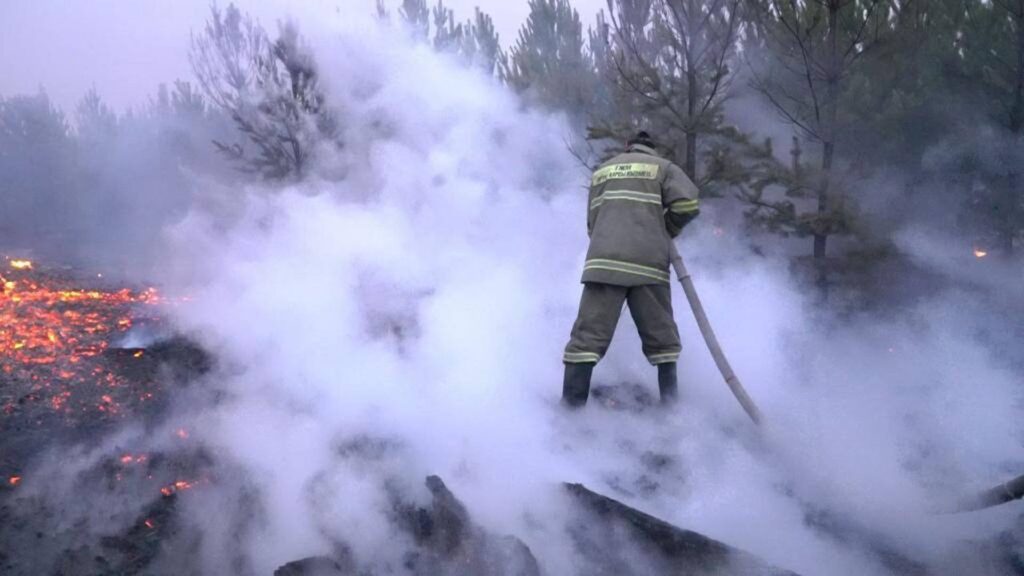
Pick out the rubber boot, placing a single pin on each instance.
(576, 384)
(667, 385)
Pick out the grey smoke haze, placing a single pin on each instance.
(424, 299)
(126, 48)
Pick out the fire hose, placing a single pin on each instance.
(709, 336)
(1001, 494)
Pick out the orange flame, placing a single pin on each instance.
(980, 252)
(14, 480)
(21, 264)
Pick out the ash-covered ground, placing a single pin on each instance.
(82, 359)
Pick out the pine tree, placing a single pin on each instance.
(475, 41)
(993, 58)
(270, 89)
(96, 122)
(809, 50)
(416, 16)
(936, 101)
(37, 157)
(549, 63)
(479, 44)
(668, 66)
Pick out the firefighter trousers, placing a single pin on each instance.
(600, 308)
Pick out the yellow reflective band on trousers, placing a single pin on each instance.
(684, 206)
(642, 197)
(623, 171)
(663, 358)
(580, 357)
(626, 268)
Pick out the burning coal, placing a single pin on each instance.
(53, 333)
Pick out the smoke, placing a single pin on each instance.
(403, 314)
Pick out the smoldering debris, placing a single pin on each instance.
(605, 522)
(450, 543)
(611, 538)
(67, 390)
(120, 514)
(62, 380)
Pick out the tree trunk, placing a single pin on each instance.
(691, 95)
(691, 132)
(1010, 224)
(821, 236)
(822, 231)
(1017, 110)
(1014, 192)
(795, 152)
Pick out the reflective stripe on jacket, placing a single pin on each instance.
(638, 201)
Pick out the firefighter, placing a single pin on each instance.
(638, 202)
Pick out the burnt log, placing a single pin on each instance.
(446, 542)
(611, 536)
(449, 543)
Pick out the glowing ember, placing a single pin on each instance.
(53, 335)
(136, 459)
(182, 433)
(137, 354)
(149, 524)
(14, 480)
(980, 253)
(178, 486)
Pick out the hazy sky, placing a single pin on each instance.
(126, 47)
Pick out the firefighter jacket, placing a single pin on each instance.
(638, 202)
